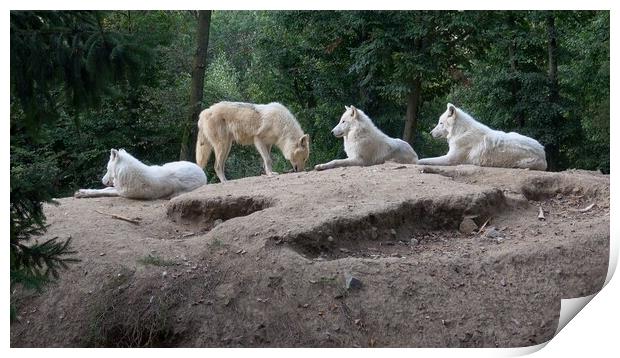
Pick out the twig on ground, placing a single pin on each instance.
(484, 225)
(587, 208)
(133, 221)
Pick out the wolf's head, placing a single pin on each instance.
(349, 119)
(446, 122)
(301, 152)
(108, 178)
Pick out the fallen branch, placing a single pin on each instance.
(484, 225)
(587, 208)
(541, 214)
(133, 221)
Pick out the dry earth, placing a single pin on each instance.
(263, 261)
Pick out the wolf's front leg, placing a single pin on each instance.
(443, 160)
(265, 153)
(349, 162)
(96, 193)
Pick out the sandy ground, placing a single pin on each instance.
(264, 261)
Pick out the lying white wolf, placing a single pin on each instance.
(471, 142)
(130, 178)
(365, 144)
(245, 123)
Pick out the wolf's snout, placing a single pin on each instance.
(337, 132)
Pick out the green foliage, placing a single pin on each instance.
(36, 264)
(62, 64)
(66, 58)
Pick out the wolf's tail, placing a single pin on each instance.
(203, 146)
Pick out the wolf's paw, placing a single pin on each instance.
(80, 193)
(272, 173)
(319, 167)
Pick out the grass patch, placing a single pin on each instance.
(155, 261)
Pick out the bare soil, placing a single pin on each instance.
(263, 261)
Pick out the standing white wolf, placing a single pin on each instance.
(471, 142)
(365, 144)
(130, 178)
(245, 123)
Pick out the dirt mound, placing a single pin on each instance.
(266, 261)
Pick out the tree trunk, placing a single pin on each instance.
(197, 85)
(553, 149)
(411, 118)
(515, 85)
(552, 47)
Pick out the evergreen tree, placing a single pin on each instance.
(61, 62)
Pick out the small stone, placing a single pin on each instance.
(500, 240)
(217, 222)
(491, 233)
(342, 249)
(467, 226)
(352, 282)
(393, 232)
(330, 238)
(502, 282)
(102, 254)
(414, 242)
(164, 274)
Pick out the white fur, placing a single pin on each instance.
(130, 178)
(471, 142)
(263, 125)
(365, 144)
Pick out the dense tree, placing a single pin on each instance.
(62, 63)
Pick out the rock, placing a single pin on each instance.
(164, 274)
(414, 242)
(491, 233)
(467, 226)
(352, 282)
(330, 238)
(217, 222)
(503, 282)
(393, 232)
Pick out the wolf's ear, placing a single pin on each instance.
(304, 141)
(353, 112)
(113, 153)
(346, 108)
(451, 110)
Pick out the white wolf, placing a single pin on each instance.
(471, 142)
(130, 178)
(365, 144)
(245, 123)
